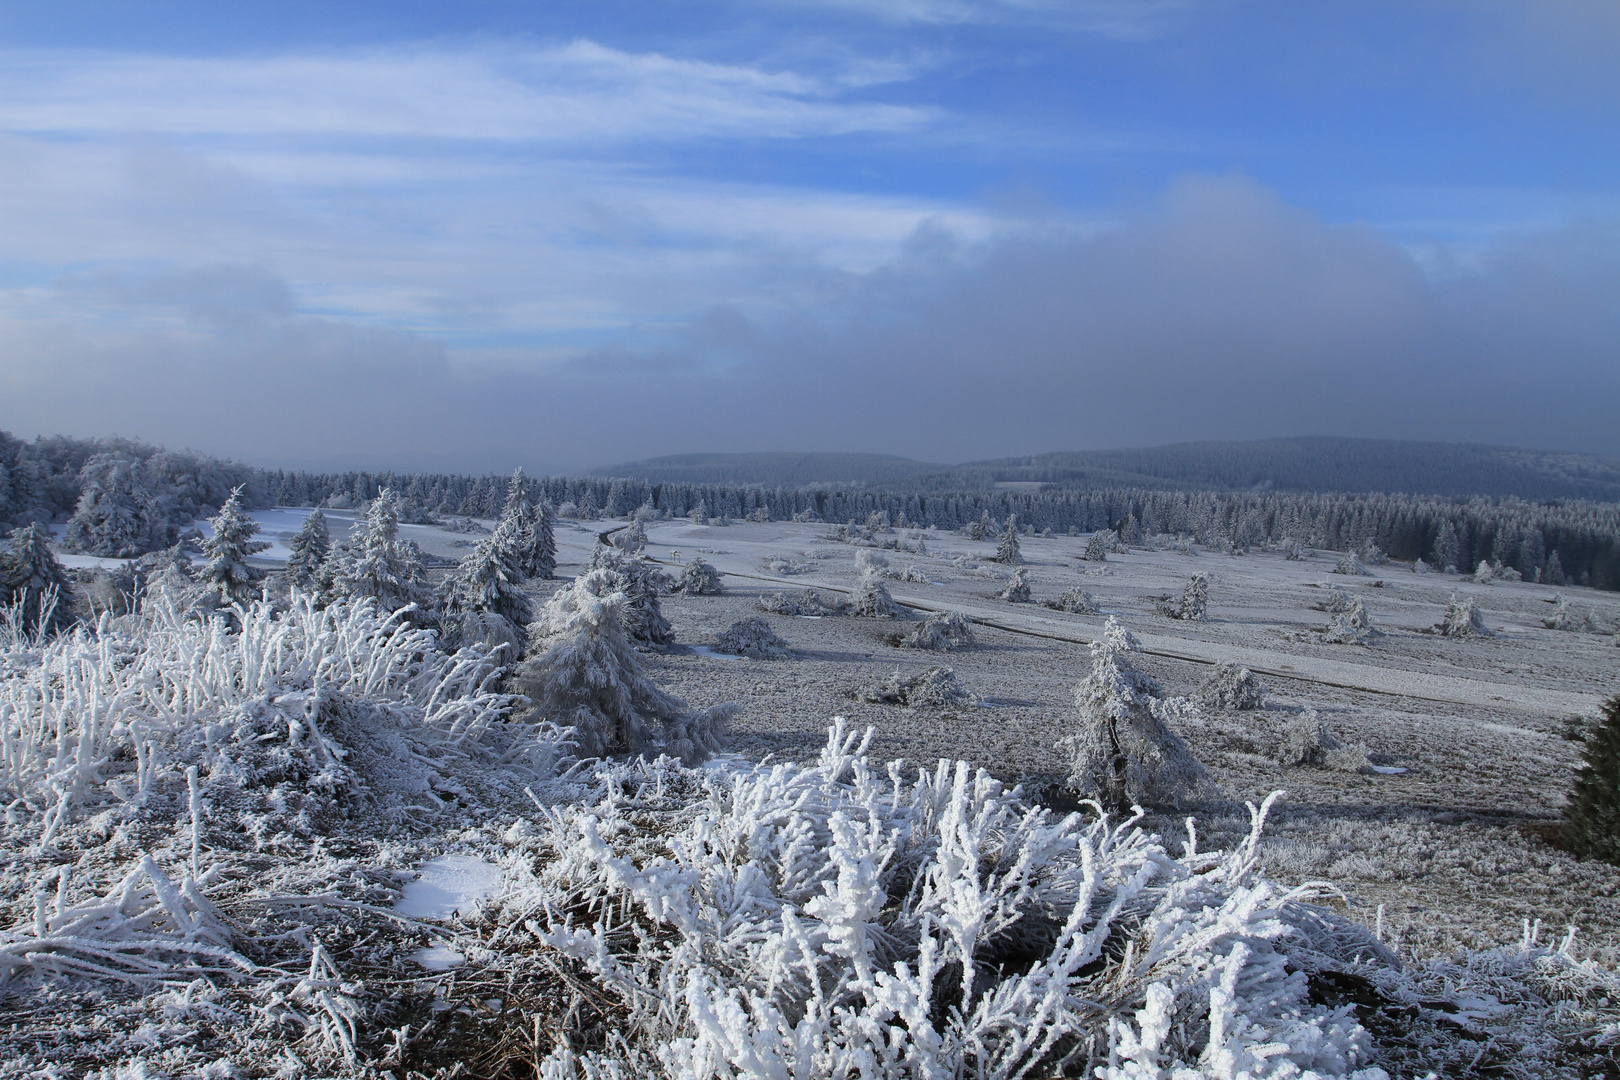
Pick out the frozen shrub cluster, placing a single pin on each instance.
(1193, 606)
(1351, 626)
(33, 584)
(1421, 567)
(808, 602)
(1075, 600)
(754, 639)
(1123, 753)
(871, 599)
(1230, 686)
(943, 632)
(778, 564)
(1373, 555)
(868, 561)
(1306, 741)
(937, 686)
(1017, 590)
(586, 675)
(1566, 617)
(1463, 619)
(1293, 550)
(699, 578)
(831, 921)
(910, 573)
(1350, 565)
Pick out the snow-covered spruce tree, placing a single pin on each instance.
(1097, 547)
(309, 549)
(1123, 753)
(1484, 573)
(1463, 619)
(1350, 565)
(1352, 626)
(632, 540)
(1076, 601)
(586, 675)
(1017, 590)
(945, 631)
(119, 513)
(540, 542)
(483, 600)
(1230, 686)
(699, 578)
(376, 563)
(1591, 825)
(32, 581)
(1447, 548)
(227, 574)
(642, 582)
(1193, 606)
(700, 513)
(1553, 572)
(754, 639)
(871, 599)
(1007, 551)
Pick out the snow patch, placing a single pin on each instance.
(448, 885)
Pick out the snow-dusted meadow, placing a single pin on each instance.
(317, 845)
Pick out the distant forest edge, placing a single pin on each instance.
(122, 498)
(1315, 464)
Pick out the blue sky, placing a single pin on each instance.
(470, 235)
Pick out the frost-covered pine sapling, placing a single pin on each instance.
(1463, 619)
(699, 578)
(1484, 573)
(483, 598)
(1017, 590)
(937, 686)
(1097, 547)
(1591, 825)
(1007, 552)
(1230, 686)
(1193, 606)
(1076, 601)
(1123, 753)
(34, 583)
(227, 574)
(642, 581)
(754, 639)
(1565, 617)
(1350, 565)
(871, 599)
(942, 632)
(586, 675)
(309, 549)
(1293, 550)
(631, 540)
(1307, 741)
(1352, 626)
(376, 563)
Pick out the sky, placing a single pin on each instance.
(469, 236)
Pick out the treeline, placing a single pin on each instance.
(1522, 535)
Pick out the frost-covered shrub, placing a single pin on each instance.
(1306, 741)
(1463, 619)
(1007, 551)
(700, 578)
(1484, 574)
(641, 581)
(1352, 626)
(227, 573)
(1373, 555)
(33, 584)
(1193, 606)
(911, 573)
(1350, 564)
(1230, 686)
(1591, 825)
(1421, 567)
(754, 639)
(1017, 590)
(1075, 600)
(1566, 617)
(869, 561)
(871, 600)
(1123, 753)
(1293, 550)
(937, 686)
(587, 676)
(632, 539)
(806, 516)
(1097, 547)
(942, 632)
(778, 564)
(1183, 546)
(808, 603)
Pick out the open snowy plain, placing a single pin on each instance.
(373, 871)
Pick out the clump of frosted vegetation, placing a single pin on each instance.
(1591, 824)
(1487, 572)
(1075, 600)
(1193, 605)
(34, 589)
(700, 578)
(1567, 617)
(1182, 545)
(227, 574)
(807, 603)
(779, 564)
(754, 639)
(1421, 567)
(1350, 565)
(376, 564)
(1463, 619)
(1122, 752)
(1293, 550)
(1097, 547)
(641, 581)
(1306, 741)
(1230, 686)
(1007, 550)
(632, 539)
(1017, 590)
(1335, 601)
(911, 573)
(871, 599)
(935, 687)
(586, 675)
(942, 632)
(1351, 626)
(483, 599)
(869, 561)
(1373, 555)
(308, 551)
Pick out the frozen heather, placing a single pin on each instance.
(935, 686)
(754, 639)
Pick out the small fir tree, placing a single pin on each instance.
(1591, 825)
(1017, 590)
(540, 543)
(1447, 549)
(699, 578)
(309, 551)
(32, 580)
(484, 600)
(227, 574)
(1007, 551)
(377, 563)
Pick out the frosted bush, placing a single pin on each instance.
(778, 564)
(937, 686)
(1097, 547)
(1306, 741)
(1334, 601)
(1350, 564)
(1566, 617)
(871, 600)
(808, 603)
(754, 639)
(1293, 550)
(1463, 619)
(911, 573)
(1017, 590)
(1373, 555)
(942, 632)
(1421, 567)
(1193, 606)
(1075, 600)
(1230, 686)
(587, 676)
(1122, 752)
(1484, 573)
(699, 578)
(869, 561)
(1352, 626)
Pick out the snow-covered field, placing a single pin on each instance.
(319, 847)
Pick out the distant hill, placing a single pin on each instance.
(1310, 463)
